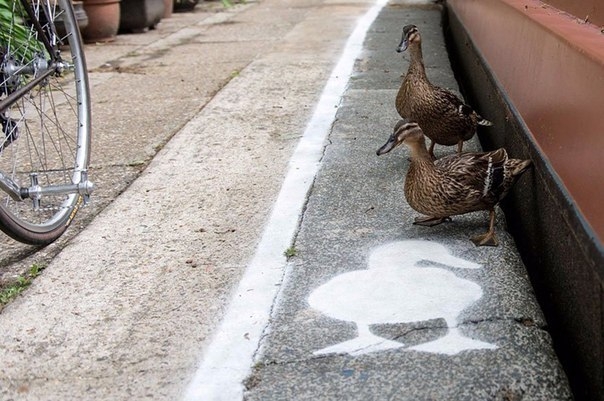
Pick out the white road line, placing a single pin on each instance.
(228, 359)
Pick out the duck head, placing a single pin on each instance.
(405, 132)
(410, 35)
(409, 252)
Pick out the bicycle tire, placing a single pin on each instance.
(46, 132)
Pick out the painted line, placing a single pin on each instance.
(228, 359)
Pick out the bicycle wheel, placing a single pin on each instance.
(45, 119)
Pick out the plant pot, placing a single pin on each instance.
(138, 15)
(80, 16)
(168, 7)
(103, 20)
(184, 5)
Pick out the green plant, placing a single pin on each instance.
(15, 33)
(290, 252)
(8, 293)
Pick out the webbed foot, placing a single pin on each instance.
(488, 239)
(430, 221)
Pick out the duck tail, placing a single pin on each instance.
(484, 122)
(519, 166)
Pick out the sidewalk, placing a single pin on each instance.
(124, 310)
(351, 322)
(138, 316)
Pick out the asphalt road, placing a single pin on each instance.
(180, 289)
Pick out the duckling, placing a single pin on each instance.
(454, 184)
(445, 118)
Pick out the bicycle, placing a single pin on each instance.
(45, 120)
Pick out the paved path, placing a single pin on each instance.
(146, 315)
(373, 307)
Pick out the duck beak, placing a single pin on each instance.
(388, 146)
(403, 45)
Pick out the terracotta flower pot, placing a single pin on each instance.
(103, 20)
(168, 6)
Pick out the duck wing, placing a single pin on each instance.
(483, 174)
(452, 102)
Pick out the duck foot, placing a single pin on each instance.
(430, 221)
(487, 239)
(364, 344)
(452, 343)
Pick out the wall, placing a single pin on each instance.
(538, 74)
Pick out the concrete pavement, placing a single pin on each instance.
(352, 321)
(126, 307)
(137, 316)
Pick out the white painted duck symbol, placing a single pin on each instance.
(395, 290)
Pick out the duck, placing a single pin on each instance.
(395, 289)
(454, 184)
(443, 116)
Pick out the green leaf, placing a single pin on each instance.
(15, 36)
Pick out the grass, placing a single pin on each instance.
(290, 252)
(10, 292)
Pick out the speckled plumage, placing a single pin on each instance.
(458, 184)
(443, 117)
(454, 184)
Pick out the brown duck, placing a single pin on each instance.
(454, 184)
(444, 118)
